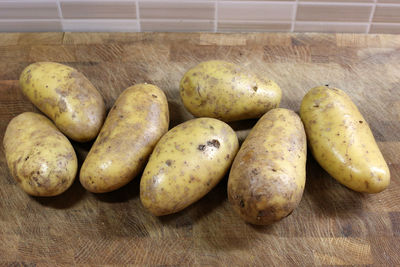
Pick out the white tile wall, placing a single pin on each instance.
(201, 15)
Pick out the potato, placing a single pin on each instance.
(225, 91)
(341, 140)
(267, 177)
(66, 96)
(134, 125)
(40, 158)
(186, 164)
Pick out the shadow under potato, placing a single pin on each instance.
(328, 196)
(124, 194)
(66, 200)
(177, 113)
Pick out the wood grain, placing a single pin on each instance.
(332, 226)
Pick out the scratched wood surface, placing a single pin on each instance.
(332, 225)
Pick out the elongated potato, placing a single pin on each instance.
(186, 164)
(225, 91)
(40, 158)
(267, 178)
(66, 96)
(341, 140)
(134, 125)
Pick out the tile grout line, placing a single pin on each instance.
(60, 16)
(296, 4)
(139, 24)
(371, 16)
(216, 16)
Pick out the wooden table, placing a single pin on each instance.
(332, 226)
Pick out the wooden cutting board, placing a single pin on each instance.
(332, 226)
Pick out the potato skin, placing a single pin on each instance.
(40, 158)
(186, 164)
(341, 140)
(267, 178)
(225, 91)
(132, 128)
(66, 96)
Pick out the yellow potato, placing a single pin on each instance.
(267, 178)
(341, 140)
(40, 158)
(225, 91)
(186, 164)
(66, 96)
(134, 125)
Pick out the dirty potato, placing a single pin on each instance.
(40, 158)
(186, 164)
(267, 178)
(341, 140)
(66, 96)
(225, 91)
(134, 125)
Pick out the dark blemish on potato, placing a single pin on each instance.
(47, 86)
(211, 127)
(274, 170)
(121, 116)
(255, 171)
(316, 105)
(201, 147)
(227, 157)
(360, 121)
(168, 162)
(255, 88)
(154, 96)
(241, 203)
(327, 85)
(215, 143)
(26, 158)
(29, 77)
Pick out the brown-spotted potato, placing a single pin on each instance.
(134, 125)
(40, 158)
(228, 92)
(341, 140)
(188, 161)
(267, 178)
(66, 96)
